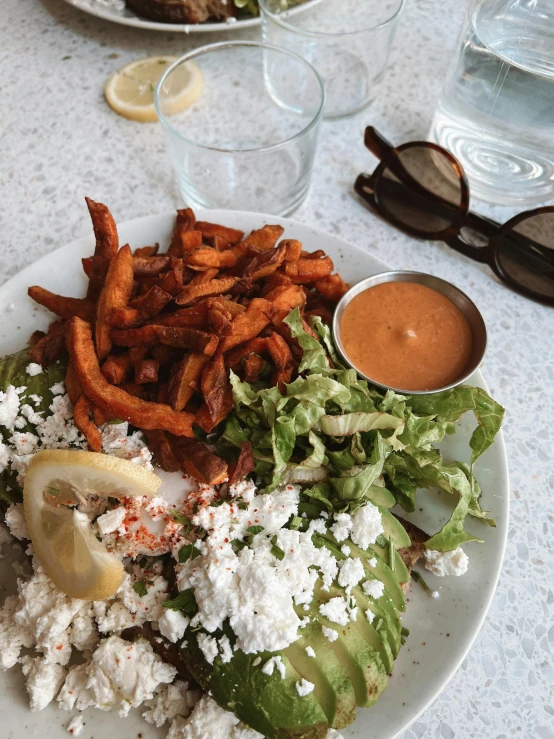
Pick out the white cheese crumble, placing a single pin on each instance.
(112, 520)
(372, 562)
(435, 594)
(336, 610)
(44, 679)
(208, 646)
(351, 572)
(304, 688)
(345, 549)
(274, 663)
(366, 525)
(173, 625)
(310, 652)
(369, 615)
(171, 701)
(446, 563)
(342, 527)
(76, 726)
(209, 720)
(33, 369)
(373, 588)
(15, 518)
(330, 634)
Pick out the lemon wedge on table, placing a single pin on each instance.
(62, 537)
(130, 92)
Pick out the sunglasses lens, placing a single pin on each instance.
(421, 188)
(526, 254)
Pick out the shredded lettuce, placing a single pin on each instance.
(346, 442)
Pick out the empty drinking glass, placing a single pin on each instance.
(347, 41)
(496, 111)
(248, 142)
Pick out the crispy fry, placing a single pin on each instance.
(87, 265)
(115, 294)
(277, 279)
(244, 464)
(137, 391)
(185, 221)
(220, 319)
(116, 368)
(206, 422)
(173, 280)
(282, 359)
(183, 338)
(195, 317)
(87, 427)
(190, 240)
(199, 461)
(148, 266)
(214, 287)
(263, 239)
(213, 230)
(202, 277)
(164, 354)
(147, 251)
(124, 318)
(247, 325)
(49, 348)
(264, 264)
(61, 306)
(209, 258)
(332, 288)
(98, 416)
(146, 371)
(317, 254)
(254, 346)
(161, 448)
(107, 244)
(305, 271)
(35, 337)
(293, 249)
(115, 400)
(136, 353)
(214, 384)
(253, 365)
(185, 380)
(72, 384)
(152, 303)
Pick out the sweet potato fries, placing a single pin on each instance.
(154, 339)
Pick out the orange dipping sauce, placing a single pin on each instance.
(406, 335)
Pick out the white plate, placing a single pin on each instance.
(442, 630)
(128, 17)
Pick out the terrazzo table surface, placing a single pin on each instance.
(60, 142)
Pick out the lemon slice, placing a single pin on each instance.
(130, 92)
(62, 537)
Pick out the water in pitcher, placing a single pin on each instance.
(496, 112)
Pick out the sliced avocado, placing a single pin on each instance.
(393, 528)
(400, 570)
(333, 688)
(380, 496)
(382, 572)
(267, 703)
(362, 663)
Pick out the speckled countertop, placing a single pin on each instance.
(59, 142)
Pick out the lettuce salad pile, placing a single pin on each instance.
(342, 438)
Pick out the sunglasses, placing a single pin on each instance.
(422, 189)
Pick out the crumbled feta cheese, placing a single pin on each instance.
(369, 615)
(5, 538)
(372, 562)
(330, 634)
(173, 625)
(351, 572)
(446, 563)
(318, 525)
(345, 549)
(272, 663)
(13, 635)
(117, 442)
(76, 726)
(304, 688)
(58, 388)
(343, 526)
(336, 610)
(15, 518)
(310, 652)
(244, 489)
(33, 369)
(209, 720)
(121, 675)
(32, 416)
(44, 679)
(173, 700)
(9, 407)
(111, 520)
(373, 588)
(366, 525)
(208, 646)
(435, 594)
(225, 649)
(37, 399)
(24, 443)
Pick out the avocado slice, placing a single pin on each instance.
(333, 688)
(267, 703)
(394, 529)
(382, 572)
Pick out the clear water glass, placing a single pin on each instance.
(496, 110)
(347, 41)
(249, 140)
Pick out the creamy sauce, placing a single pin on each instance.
(406, 335)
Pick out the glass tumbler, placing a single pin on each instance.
(248, 142)
(347, 41)
(496, 110)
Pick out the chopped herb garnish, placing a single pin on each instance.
(404, 631)
(53, 491)
(140, 588)
(419, 579)
(296, 523)
(183, 602)
(255, 530)
(276, 551)
(237, 545)
(183, 520)
(379, 624)
(67, 56)
(392, 554)
(381, 541)
(189, 551)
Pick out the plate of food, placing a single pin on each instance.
(183, 16)
(213, 526)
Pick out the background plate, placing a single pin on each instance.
(127, 17)
(442, 630)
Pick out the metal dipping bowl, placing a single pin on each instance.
(460, 299)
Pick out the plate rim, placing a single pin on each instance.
(136, 21)
(503, 469)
